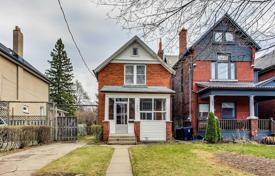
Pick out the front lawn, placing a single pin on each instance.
(87, 160)
(190, 159)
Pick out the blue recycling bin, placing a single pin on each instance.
(187, 133)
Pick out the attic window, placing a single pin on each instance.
(135, 51)
(218, 36)
(229, 37)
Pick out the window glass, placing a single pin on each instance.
(42, 112)
(111, 108)
(140, 74)
(218, 36)
(232, 71)
(222, 71)
(1, 122)
(152, 109)
(228, 110)
(203, 111)
(131, 108)
(135, 51)
(146, 104)
(229, 37)
(25, 109)
(213, 70)
(129, 74)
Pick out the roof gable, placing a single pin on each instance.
(124, 54)
(267, 83)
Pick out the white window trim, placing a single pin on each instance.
(135, 74)
(153, 110)
(133, 52)
(232, 36)
(27, 109)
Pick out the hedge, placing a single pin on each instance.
(97, 131)
(13, 137)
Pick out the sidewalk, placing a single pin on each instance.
(120, 164)
(26, 162)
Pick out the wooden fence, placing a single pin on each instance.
(66, 128)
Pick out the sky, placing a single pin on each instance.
(42, 24)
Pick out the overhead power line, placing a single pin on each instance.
(72, 36)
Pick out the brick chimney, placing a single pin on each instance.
(18, 41)
(160, 51)
(182, 41)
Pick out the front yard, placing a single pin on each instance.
(87, 160)
(202, 159)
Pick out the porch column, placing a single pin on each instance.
(251, 106)
(212, 103)
(106, 108)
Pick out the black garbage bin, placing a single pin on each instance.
(187, 133)
(179, 133)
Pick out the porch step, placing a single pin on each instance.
(122, 139)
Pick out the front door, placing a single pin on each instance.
(121, 117)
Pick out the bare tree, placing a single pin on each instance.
(165, 18)
(81, 95)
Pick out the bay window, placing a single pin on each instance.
(223, 68)
(135, 75)
(152, 109)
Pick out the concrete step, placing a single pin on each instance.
(122, 139)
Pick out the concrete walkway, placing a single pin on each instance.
(120, 164)
(26, 162)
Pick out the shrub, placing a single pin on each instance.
(12, 137)
(213, 132)
(97, 131)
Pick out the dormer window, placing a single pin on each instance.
(229, 37)
(135, 75)
(135, 52)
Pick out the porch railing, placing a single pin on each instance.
(230, 124)
(264, 124)
(272, 126)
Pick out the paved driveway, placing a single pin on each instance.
(24, 163)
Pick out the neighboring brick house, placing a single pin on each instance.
(21, 84)
(216, 74)
(265, 71)
(134, 87)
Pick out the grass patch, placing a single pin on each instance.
(87, 160)
(90, 139)
(266, 151)
(190, 159)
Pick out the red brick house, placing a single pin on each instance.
(134, 94)
(216, 74)
(265, 71)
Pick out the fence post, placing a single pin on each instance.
(253, 121)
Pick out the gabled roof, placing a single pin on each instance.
(227, 16)
(13, 57)
(265, 62)
(125, 46)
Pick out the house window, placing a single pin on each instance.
(223, 69)
(152, 109)
(203, 111)
(135, 74)
(218, 36)
(135, 52)
(42, 111)
(228, 110)
(111, 108)
(132, 108)
(25, 109)
(229, 37)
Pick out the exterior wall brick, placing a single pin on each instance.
(169, 132)
(254, 127)
(137, 130)
(244, 72)
(106, 130)
(267, 75)
(241, 105)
